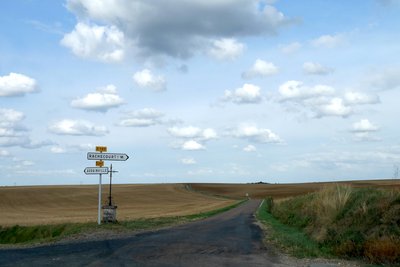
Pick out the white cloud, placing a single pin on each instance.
(152, 25)
(364, 125)
(291, 48)
(255, 134)
(13, 133)
(193, 133)
(249, 148)
(102, 100)
(248, 94)
(386, 79)
(103, 43)
(188, 161)
(15, 84)
(77, 127)
(192, 145)
(142, 118)
(335, 107)
(358, 98)
(328, 41)
(296, 90)
(313, 68)
(4, 153)
(260, 68)
(365, 137)
(57, 150)
(226, 49)
(146, 79)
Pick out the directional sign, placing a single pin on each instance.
(107, 156)
(96, 170)
(101, 148)
(100, 163)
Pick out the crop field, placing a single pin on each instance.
(260, 191)
(38, 205)
(59, 204)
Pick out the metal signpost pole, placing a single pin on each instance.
(99, 156)
(99, 209)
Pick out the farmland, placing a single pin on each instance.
(37, 205)
(60, 204)
(262, 190)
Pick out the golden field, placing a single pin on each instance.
(33, 205)
(58, 204)
(260, 191)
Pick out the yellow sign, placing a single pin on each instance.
(101, 148)
(100, 163)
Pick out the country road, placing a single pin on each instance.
(228, 239)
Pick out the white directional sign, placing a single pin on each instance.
(96, 170)
(107, 156)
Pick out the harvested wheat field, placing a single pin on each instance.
(58, 204)
(262, 190)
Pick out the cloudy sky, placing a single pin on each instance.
(200, 91)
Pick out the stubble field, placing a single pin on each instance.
(59, 204)
(39, 205)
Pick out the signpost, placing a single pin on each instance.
(99, 156)
(96, 170)
(107, 156)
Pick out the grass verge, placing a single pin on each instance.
(50, 233)
(290, 239)
(340, 221)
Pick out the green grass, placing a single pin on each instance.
(288, 238)
(356, 223)
(48, 233)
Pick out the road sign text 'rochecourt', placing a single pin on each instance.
(107, 156)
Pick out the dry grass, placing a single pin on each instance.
(278, 191)
(60, 204)
(384, 250)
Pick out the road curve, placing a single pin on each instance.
(228, 239)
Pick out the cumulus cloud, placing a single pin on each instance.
(102, 43)
(358, 98)
(255, 134)
(192, 145)
(249, 148)
(4, 153)
(322, 100)
(335, 107)
(248, 94)
(328, 41)
(364, 125)
(386, 79)
(290, 48)
(160, 28)
(141, 118)
(313, 68)
(15, 84)
(188, 161)
(77, 127)
(296, 90)
(57, 150)
(14, 133)
(260, 69)
(102, 100)
(193, 132)
(193, 137)
(147, 80)
(226, 49)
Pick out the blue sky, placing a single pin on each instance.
(199, 91)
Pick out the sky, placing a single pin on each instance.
(224, 91)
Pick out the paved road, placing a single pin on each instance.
(228, 239)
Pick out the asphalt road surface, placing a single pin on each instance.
(228, 239)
